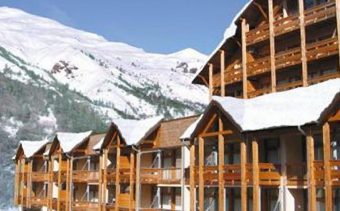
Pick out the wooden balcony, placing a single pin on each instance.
(284, 25)
(40, 176)
(284, 59)
(319, 172)
(124, 175)
(85, 176)
(110, 175)
(296, 174)
(160, 175)
(85, 205)
(39, 201)
(335, 172)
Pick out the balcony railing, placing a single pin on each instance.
(269, 174)
(335, 172)
(110, 175)
(85, 176)
(85, 205)
(284, 25)
(39, 201)
(297, 174)
(319, 172)
(284, 59)
(40, 176)
(160, 175)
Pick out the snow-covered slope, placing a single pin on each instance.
(119, 79)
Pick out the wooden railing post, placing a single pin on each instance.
(200, 173)
(326, 133)
(222, 69)
(192, 178)
(243, 155)
(256, 179)
(303, 43)
(117, 174)
(245, 29)
(132, 183)
(211, 84)
(221, 197)
(272, 45)
(311, 178)
(337, 6)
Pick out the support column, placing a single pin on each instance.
(22, 161)
(326, 134)
(117, 174)
(222, 58)
(337, 5)
(192, 178)
(71, 183)
(100, 185)
(200, 173)
(310, 169)
(59, 182)
(211, 84)
(16, 185)
(303, 43)
(243, 175)
(138, 182)
(244, 59)
(256, 179)
(132, 182)
(105, 155)
(67, 195)
(272, 45)
(221, 197)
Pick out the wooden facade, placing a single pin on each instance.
(278, 45)
(161, 181)
(287, 168)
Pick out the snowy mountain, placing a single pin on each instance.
(119, 79)
(56, 78)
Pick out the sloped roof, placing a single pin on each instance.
(133, 131)
(229, 33)
(187, 133)
(292, 108)
(69, 141)
(31, 147)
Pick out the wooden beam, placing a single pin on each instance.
(117, 174)
(221, 198)
(310, 169)
(326, 134)
(303, 43)
(59, 182)
(222, 69)
(100, 185)
(67, 195)
(261, 10)
(138, 188)
(211, 88)
(272, 45)
(16, 185)
(337, 6)
(192, 177)
(132, 183)
(243, 175)
(200, 173)
(256, 180)
(244, 59)
(105, 157)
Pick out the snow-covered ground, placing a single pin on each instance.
(117, 76)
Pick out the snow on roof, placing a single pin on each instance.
(68, 141)
(133, 131)
(295, 107)
(31, 147)
(98, 146)
(228, 33)
(292, 108)
(188, 132)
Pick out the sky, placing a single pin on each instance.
(159, 26)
